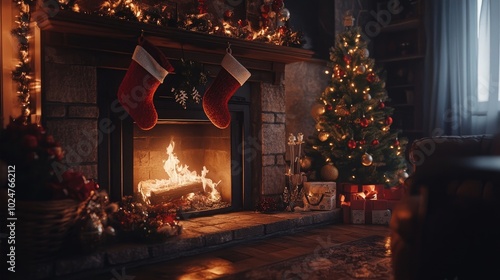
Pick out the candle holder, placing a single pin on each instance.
(292, 193)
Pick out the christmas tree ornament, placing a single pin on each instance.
(366, 159)
(367, 97)
(362, 142)
(396, 143)
(375, 142)
(318, 126)
(381, 105)
(329, 107)
(323, 136)
(329, 172)
(229, 79)
(317, 110)
(341, 110)
(351, 144)
(388, 120)
(339, 73)
(148, 69)
(364, 122)
(365, 53)
(371, 77)
(305, 163)
(347, 59)
(360, 69)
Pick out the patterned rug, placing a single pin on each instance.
(367, 258)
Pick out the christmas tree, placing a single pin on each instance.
(353, 133)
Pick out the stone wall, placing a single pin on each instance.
(69, 106)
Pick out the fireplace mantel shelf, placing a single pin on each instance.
(96, 26)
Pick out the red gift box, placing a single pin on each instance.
(350, 188)
(394, 193)
(346, 213)
(368, 210)
(358, 204)
(380, 204)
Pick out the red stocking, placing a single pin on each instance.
(146, 72)
(231, 77)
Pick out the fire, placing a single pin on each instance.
(179, 177)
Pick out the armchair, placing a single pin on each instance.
(447, 226)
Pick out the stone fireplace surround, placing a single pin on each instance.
(75, 48)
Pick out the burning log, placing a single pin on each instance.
(166, 195)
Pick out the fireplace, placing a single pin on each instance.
(84, 59)
(184, 161)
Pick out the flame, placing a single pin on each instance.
(179, 175)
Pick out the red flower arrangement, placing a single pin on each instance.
(34, 155)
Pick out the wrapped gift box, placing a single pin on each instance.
(381, 217)
(352, 191)
(350, 188)
(320, 195)
(357, 214)
(394, 193)
(346, 213)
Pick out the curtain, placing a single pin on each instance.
(456, 55)
(487, 119)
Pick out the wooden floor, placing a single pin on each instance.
(250, 255)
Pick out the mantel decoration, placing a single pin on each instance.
(272, 26)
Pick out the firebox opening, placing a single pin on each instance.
(186, 164)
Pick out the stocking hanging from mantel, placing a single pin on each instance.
(229, 79)
(146, 72)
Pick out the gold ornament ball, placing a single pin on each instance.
(317, 110)
(329, 172)
(305, 163)
(323, 136)
(361, 69)
(367, 159)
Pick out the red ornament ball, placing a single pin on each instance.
(375, 142)
(362, 142)
(339, 73)
(396, 143)
(364, 122)
(329, 107)
(351, 144)
(371, 77)
(381, 105)
(388, 121)
(347, 59)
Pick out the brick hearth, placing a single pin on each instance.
(199, 235)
